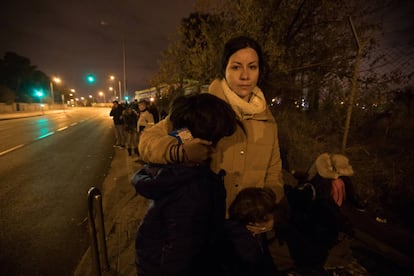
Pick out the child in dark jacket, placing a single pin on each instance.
(246, 252)
(178, 235)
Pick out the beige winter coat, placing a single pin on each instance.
(250, 158)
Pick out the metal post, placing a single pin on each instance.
(95, 195)
(102, 236)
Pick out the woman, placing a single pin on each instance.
(250, 157)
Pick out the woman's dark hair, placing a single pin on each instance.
(238, 43)
(252, 205)
(206, 116)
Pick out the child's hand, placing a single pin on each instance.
(261, 227)
(258, 229)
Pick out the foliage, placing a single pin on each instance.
(308, 44)
(7, 95)
(380, 149)
(19, 79)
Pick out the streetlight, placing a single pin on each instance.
(56, 80)
(102, 94)
(112, 78)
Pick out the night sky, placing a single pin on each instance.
(70, 39)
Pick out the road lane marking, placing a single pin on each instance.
(62, 128)
(11, 149)
(40, 137)
(45, 135)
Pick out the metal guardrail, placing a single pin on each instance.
(97, 234)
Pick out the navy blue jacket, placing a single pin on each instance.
(244, 254)
(178, 233)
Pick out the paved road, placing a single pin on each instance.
(48, 163)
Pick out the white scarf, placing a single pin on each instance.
(243, 109)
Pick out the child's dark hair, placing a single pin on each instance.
(252, 205)
(206, 116)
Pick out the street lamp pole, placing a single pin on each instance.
(120, 91)
(51, 92)
(124, 66)
(105, 24)
(52, 95)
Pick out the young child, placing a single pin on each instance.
(187, 210)
(251, 215)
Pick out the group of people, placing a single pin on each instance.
(214, 175)
(130, 120)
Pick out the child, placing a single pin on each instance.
(251, 215)
(187, 213)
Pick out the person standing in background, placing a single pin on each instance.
(130, 124)
(116, 114)
(146, 119)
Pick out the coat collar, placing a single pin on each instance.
(216, 88)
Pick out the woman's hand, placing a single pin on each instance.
(197, 150)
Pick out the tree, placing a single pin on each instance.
(7, 95)
(307, 43)
(21, 78)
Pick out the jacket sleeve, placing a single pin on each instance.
(155, 182)
(274, 176)
(155, 145)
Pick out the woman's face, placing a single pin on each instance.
(242, 72)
